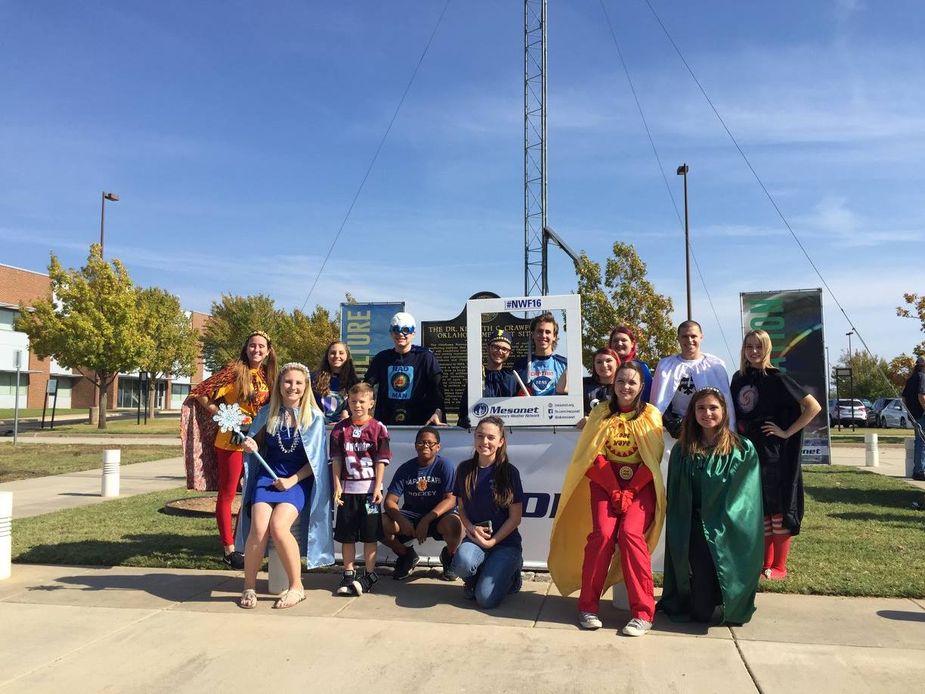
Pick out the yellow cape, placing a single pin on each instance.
(572, 524)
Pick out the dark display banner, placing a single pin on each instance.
(793, 319)
(447, 340)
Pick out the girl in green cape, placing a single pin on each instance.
(714, 530)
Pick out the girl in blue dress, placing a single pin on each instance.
(287, 436)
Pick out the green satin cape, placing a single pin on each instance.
(731, 508)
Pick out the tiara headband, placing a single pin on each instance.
(259, 332)
(288, 366)
(712, 391)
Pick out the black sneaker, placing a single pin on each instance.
(346, 584)
(518, 580)
(364, 584)
(446, 559)
(918, 476)
(405, 564)
(234, 559)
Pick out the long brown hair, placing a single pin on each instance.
(502, 481)
(348, 372)
(638, 404)
(246, 390)
(692, 437)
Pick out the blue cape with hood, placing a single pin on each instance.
(316, 533)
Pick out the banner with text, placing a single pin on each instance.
(793, 319)
(364, 328)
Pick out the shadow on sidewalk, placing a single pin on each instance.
(166, 586)
(901, 615)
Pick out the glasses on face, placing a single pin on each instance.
(403, 330)
(500, 348)
(426, 444)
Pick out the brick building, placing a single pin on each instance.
(18, 286)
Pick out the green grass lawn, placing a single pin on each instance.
(161, 425)
(9, 412)
(28, 460)
(861, 536)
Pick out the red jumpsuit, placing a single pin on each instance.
(623, 504)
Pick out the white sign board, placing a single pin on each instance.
(545, 410)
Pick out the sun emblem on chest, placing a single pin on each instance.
(619, 443)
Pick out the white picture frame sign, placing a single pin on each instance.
(545, 410)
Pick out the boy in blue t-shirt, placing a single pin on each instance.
(544, 372)
(429, 510)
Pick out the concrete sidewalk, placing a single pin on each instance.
(125, 629)
(72, 489)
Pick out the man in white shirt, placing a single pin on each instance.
(678, 377)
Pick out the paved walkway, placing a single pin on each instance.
(140, 630)
(46, 494)
(132, 629)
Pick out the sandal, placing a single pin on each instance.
(248, 599)
(289, 598)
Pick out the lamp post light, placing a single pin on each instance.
(682, 171)
(105, 196)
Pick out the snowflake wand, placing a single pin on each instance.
(230, 418)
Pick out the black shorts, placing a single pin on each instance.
(354, 523)
(431, 531)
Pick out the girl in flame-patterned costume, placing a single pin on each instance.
(615, 475)
(214, 459)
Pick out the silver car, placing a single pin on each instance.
(892, 412)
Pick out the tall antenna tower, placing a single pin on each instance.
(535, 147)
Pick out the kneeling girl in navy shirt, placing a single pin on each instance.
(490, 498)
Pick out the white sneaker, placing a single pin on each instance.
(637, 627)
(589, 620)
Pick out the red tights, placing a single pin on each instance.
(627, 532)
(230, 468)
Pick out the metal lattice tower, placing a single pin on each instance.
(534, 147)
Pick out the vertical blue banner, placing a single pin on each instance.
(364, 328)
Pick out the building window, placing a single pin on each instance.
(7, 318)
(8, 386)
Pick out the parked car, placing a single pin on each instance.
(889, 412)
(847, 412)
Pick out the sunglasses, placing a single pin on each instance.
(403, 330)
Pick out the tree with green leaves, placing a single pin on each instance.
(88, 323)
(296, 336)
(170, 346)
(232, 320)
(870, 374)
(304, 337)
(915, 309)
(621, 294)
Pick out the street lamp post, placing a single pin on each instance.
(682, 171)
(851, 380)
(105, 196)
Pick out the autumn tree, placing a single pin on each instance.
(169, 343)
(915, 309)
(88, 323)
(621, 294)
(899, 369)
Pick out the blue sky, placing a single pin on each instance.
(238, 133)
